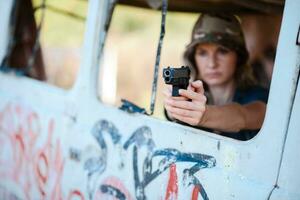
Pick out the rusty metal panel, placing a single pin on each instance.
(235, 6)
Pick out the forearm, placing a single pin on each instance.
(234, 117)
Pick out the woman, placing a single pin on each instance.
(223, 97)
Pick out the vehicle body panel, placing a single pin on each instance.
(58, 144)
(288, 182)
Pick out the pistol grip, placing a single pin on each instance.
(175, 91)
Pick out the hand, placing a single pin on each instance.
(190, 106)
(169, 97)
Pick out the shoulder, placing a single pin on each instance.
(254, 93)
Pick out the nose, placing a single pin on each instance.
(212, 61)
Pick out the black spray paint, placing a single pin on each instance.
(142, 138)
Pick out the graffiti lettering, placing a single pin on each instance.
(31, 160)
(142, 137)
(34, 165)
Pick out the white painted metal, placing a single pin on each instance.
(50, 144)
(289, 180)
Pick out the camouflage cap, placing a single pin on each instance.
(223, 29)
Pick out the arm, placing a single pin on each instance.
(242, 117)
(228, 118)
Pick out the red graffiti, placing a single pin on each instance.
(75, 195)
(30, 158)
(172, 188)
(195, 194)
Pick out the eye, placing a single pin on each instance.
(223, 50)
(201, 52)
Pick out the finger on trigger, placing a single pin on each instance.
(198, 85)
(190, 87)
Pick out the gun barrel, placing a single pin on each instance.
(166, 75)
(176, 75)
(167, 72)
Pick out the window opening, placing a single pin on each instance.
(265, 54)
(129, 55)
(131, 107)
(45, 40)
(16, 23)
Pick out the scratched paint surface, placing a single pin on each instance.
(32, 162)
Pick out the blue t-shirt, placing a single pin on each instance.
(242, 97)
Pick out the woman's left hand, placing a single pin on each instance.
(189, 111)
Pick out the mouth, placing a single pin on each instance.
(213, 75)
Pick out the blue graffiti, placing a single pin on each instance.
(108, 189)
(95, 166)
(142, 138)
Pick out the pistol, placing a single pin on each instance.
(177, 77)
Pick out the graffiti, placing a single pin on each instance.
(75, 194)
(31, 162)
(142, 138)
(97, 165)
(113, 187)
(172, 188)
(112, 191)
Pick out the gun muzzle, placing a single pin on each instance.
(177, 77)
(166, 75)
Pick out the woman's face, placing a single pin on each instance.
(216, 64)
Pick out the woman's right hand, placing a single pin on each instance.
(189, 107)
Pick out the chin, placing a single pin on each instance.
(214, 82)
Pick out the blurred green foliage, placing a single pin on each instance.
(133, 36)
(129, 20)
(62, 30)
